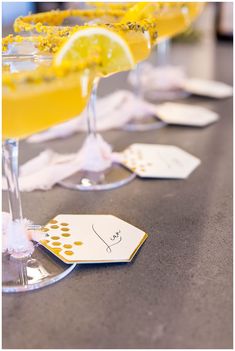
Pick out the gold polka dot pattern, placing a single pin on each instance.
(61, 239)
(68, 252)
(45, 241)
(54, 226)
(55, 237)
(65, 235)
(68, 246)
(56, 250)
(53, 221)
(56, 243)
(65, 229)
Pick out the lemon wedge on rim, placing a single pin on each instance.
(113, 50)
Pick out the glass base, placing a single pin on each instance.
(167, 95)
(32, 272)
(144, 124)
(113, 177)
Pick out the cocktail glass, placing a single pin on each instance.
(172, 18)
(32, 90)
(97, 176)
(115, 175)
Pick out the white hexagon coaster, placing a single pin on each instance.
(204, 87)
(187, 115)
(159, 161)
(92, 238)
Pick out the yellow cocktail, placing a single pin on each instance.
(177, 19)
(63, 97)
(171, 18)
(60, 98)
(36, 100)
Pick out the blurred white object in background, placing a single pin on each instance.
(159, 78)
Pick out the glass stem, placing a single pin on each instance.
(163, 53)
(138, 88)
(10, 156)
(91, 110)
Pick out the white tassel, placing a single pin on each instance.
(17, 239)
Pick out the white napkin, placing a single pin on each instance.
(113, 111)
(48, 168)
(16, 237)
(170, 78)
(162, 78)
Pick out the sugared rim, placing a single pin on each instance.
(49, 23)
(47, 73)
(51, 20)
(53, 37)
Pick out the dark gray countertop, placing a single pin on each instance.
(177, 293)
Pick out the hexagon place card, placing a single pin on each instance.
(159, 161)
(186, 115)
(92, 238)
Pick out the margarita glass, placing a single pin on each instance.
(171, 19)
(35, 98)
(191, 11)
(136, 35)
(32, 90)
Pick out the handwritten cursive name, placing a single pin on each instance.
(115, 238)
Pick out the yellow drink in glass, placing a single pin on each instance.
(31, 104)
(176, 20)
(171, 18)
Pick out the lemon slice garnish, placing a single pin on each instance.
(113, 50)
